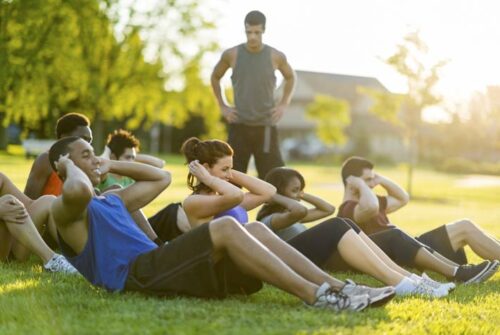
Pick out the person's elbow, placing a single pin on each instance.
(405, 199)
(298, 213)
(235, 197)
(77, 191)
(330, 209)
(367, 212)
(165, 179)
(268, 194)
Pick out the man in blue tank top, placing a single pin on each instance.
(252, 122)
(99, 237)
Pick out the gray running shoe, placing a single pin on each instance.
(337, 301)
(58, 263)
(378, 296)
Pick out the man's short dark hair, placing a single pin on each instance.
(254, 18)
(120, 140)
(60, 148)
(354, 166)
(69, 122)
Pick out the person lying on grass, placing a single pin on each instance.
(123, 146)
(42, 180)
(440, 250)
(211, 179)
(317, 245)
(340, 242)
(100, 238)
(19, 218)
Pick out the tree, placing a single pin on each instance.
(332, 117)
(405, 110)
(88, 56)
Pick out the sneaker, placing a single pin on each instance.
(434, 284)
(327, 298)
(409, 286)
(469, 274)
(58, 263)
(378, 296)
(423, 288)
(494, 265)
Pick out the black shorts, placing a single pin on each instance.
(395, 243)
(320, 242)
(439, 240)
(184, 267)
(164, 223)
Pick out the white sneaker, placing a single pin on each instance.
(337, 301)
(409, 286)
(58, 263)
(431, 282)
(378, 296)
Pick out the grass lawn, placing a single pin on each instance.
(34, 302)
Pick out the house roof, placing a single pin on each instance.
(309, 84)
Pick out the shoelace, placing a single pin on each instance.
(430, 283)
(421, 288)
(339, 299)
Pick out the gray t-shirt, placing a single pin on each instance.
(286, 233)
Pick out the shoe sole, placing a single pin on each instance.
(490, 271)
(478, 276)
(382, 299)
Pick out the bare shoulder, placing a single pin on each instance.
(278, 56)
(229, 55)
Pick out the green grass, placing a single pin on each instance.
(32, 301)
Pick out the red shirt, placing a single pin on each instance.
(53, 186)
(377, 223)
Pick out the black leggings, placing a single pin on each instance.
(395, 243)
(320, 242)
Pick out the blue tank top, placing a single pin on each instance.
(239, 213)
(114, 242)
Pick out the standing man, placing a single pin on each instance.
(252, 122)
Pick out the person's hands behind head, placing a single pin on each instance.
(12, 210)
(104, 165)
(200, 172)
(353, 183)
(62, 164)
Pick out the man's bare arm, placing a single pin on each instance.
(367, 206)
(39, 174)
(396, 195)
(76, 194)
(150, 160)
(218, 72)
(289, 77)
(149, 182)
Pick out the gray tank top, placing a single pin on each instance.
(254, 83)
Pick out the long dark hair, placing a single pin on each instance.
(279, 177)
(209, 151)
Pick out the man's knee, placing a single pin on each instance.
(463, 226)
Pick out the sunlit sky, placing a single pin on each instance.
(350, 37)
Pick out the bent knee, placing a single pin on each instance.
(225, 225)
(462, 226)
(257, 227)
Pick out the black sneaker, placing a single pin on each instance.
(469, 273)
(492, 269)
